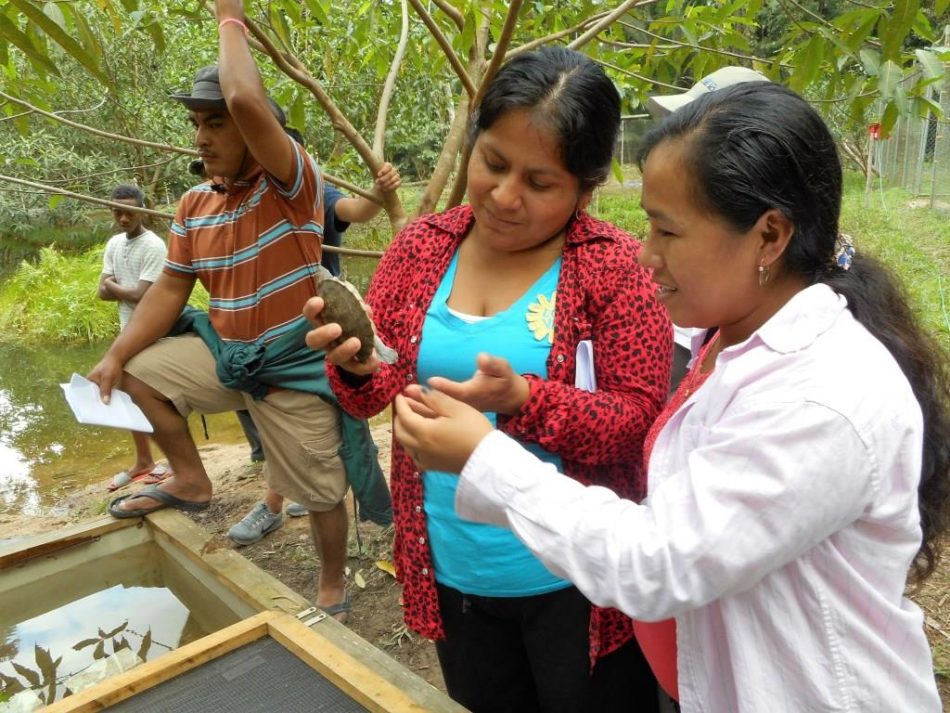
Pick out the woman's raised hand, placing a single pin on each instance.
(438, 432)
(327, 337)
(494, 386)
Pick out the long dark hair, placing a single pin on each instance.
(757, 146)
(566, 91)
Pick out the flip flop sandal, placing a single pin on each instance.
(164, 500)
(124, 477)
(156, 475)
(344, 607)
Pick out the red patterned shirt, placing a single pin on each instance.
(603, 295)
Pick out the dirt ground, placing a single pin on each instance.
(288, 555)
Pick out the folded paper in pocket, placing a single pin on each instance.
(584, 376)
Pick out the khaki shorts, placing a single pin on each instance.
(300, 432)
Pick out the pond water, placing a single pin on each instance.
(128, 604)
(44, 451)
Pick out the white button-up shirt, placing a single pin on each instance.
(781, 521)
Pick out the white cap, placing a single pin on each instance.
(725, 77)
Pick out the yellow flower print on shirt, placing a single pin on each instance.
(540, 317)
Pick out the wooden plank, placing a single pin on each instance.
(58, 540)
(194, 548)
(141, 678)
(342, 670)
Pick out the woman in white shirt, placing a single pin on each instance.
(802, 467)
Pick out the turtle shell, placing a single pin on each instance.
(343, 305)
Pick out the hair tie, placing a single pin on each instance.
(844, 252)
(234, 21)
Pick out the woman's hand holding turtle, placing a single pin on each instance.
(327, 336)
(494, 386)
(438, 432)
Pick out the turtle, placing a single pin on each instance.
(343, 305)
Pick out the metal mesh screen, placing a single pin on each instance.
(261, 676)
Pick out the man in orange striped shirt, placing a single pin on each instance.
(252, 236)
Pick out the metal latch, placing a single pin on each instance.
(311, 616)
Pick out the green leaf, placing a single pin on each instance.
(897, 27)
(54, 200)
(89, 40)
(890, 76)
(318, 11)
(940, 7)
(54, 13)
(933, 67)
(889, 119)
(923, 28)
(278, 22)
(10, 33)
(924, 107)
(56, 33)
(808, 62)
(861, 33)
(154, 29)
(617, 170)
(871, 59)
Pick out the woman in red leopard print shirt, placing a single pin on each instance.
(544, 138)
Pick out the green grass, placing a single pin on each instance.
(912, 239)
(53, 299)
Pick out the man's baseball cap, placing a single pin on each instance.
(725, 77)
(206, 94)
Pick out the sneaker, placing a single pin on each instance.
(257, 523)
(297, 510)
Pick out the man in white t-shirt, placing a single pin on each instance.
(132, 261)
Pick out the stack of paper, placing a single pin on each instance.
(83, 398)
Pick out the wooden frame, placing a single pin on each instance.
(356, 667)
(352, 677)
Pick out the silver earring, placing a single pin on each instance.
(763, 275)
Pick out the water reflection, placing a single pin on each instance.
(44, 453)
(41, 653)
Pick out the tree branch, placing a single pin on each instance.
(45, 188)
(293, 68)
(446, 47)
(454, 15)
(620, 70)
(89, 199)
(533, 44)
(606, 22)
(711, 50)
(476, 62)
(379, 140)
(99, 132)
(501, 48)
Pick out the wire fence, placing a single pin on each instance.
(916, 156)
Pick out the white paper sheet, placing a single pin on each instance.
(83, 398)
(584, 376)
